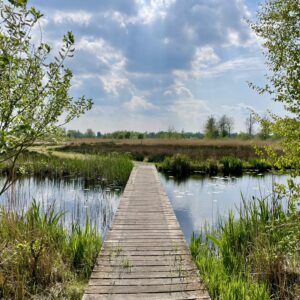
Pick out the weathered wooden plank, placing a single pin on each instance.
(167, 288)
(141, 281)
(145, 255)
(134, 269)
(140, 274)
(149, 296)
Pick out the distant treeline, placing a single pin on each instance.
(213, 129)
(124, 134)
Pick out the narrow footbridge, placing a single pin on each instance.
(145, 255)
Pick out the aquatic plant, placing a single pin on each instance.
(38, 258)
(112, 168)
(231, 165)
(253, 256)
(178, 165)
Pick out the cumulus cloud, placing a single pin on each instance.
(111, 61)
(79, 17)
(139, 103)
(156, 53)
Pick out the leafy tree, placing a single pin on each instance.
(278, 26)
(34, 84)
(90, 133)
(265, 130)
(250, 122)
(225, 125)
(211, 128)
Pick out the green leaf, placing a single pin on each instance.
(18, 3)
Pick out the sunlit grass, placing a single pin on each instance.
(40, 260)
(252, 257)
(107, 169)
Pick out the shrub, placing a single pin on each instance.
(232, 165)
(178, 164)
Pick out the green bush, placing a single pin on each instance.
(259, 165)
(232, 165)
(178, 164)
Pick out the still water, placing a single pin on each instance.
(201, 200)
(74, 196)
(196, 201)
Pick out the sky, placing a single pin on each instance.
(151, 65)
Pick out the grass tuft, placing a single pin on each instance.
(254, 256)
(40, 260)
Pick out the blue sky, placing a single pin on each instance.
(151, 65)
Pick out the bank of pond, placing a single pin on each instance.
(55, 215)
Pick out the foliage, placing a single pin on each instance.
(109, 169)
(254, 254)
(232, 165)
(178, 165)
(38, 258)
(278, 26)
(211, 128)
(225, 125)
(34, 84)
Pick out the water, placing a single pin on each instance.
(201, 200)
(197, 201)
(74, 196)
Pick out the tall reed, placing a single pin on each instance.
(253, 256)
(113, 168)
(39, 259)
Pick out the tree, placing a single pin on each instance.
(250, 122)
(265, 130)
(211, 128)
(278, 26)
(225, 125)
(90, 133)
(34, 85)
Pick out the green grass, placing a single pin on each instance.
(254, 256)
(181, 165)
(40, 260)
(112, 168)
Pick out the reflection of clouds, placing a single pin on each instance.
(205, 200)
(77, 200)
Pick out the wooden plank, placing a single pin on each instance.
(139, 275)
(145, 255)
(149, 296)
(166, 288)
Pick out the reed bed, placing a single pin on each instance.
(39, 259)
(254, 256)
(157, 150)
(180, 165)
(107, 169)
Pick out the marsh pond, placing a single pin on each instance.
(196, 200)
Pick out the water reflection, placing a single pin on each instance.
(77, 197)
(200, 200)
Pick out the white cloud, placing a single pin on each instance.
(207, 64)
(79, 17)
(139, 103)
(149, 11)
(114, 77)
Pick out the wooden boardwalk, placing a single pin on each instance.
(145, 255)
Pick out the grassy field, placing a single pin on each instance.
(155, 150)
